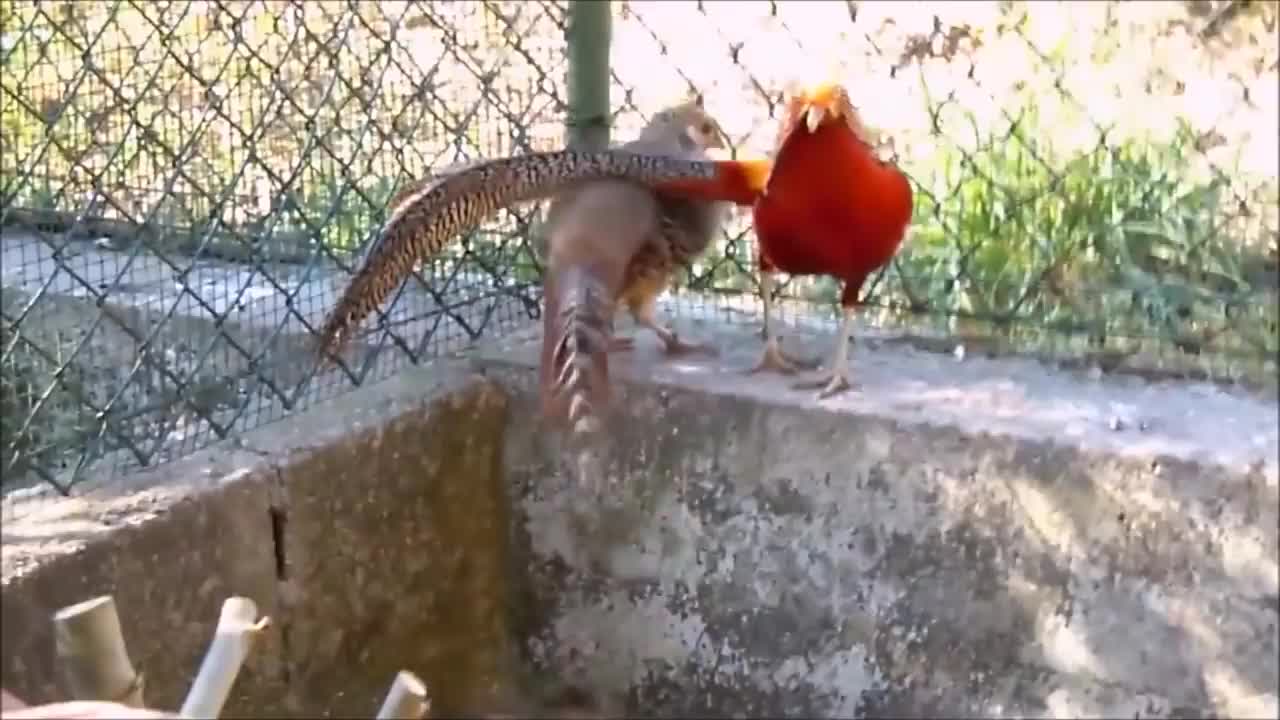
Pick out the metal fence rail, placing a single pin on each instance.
(185, 185)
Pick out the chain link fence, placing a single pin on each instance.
(1096, 183)
(186, 186)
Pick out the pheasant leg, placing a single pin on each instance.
(645, 314)
(836, 380)
(773, 358)
(672, 342)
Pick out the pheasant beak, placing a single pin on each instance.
(821, 104)
(813, 116)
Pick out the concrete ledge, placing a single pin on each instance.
(1020, 398)
(396, 546)
(978, 538)
(169, 553)
(367, 528)
(958, 539)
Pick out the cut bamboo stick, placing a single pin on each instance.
(232, 640)
(407, 699)
(90, 645)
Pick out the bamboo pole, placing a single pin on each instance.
(406, 700)
(238, 625)
(588, 36)
(90, 645)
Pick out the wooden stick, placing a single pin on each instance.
(406, 700)
(232, 641)
(89, 643)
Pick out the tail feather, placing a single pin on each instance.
(739, 182)
(577, 328)
(429, 215)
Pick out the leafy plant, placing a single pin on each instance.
(1117, 239)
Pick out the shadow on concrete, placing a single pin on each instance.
(957, 539)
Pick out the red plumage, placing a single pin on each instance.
(827, 206)
(830, 207)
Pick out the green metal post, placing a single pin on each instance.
(588, 36)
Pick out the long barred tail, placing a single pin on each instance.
(577, 328)
(740, 182)
(434, 213)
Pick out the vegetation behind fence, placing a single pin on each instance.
(184, 183)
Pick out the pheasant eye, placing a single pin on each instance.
(706, 129)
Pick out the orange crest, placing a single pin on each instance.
(817, 103)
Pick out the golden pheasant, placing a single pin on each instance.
(829, 207)
(615, 241)
(427, 216)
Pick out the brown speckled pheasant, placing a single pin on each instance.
(615, 242)
(425, 217)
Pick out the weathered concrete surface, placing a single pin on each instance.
(371, 529)
(958, 538)
(188, 536)
(395, 548)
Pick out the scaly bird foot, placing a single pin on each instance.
(829, 386)
(778, 361)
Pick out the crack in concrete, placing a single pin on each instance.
(278, 514)
(278, 519)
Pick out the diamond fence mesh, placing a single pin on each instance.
(186, 186)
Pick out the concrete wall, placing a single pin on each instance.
(981, 538)
(372, 530)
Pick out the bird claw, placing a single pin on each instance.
(778, 361)
(673, 345)
(830, 386)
